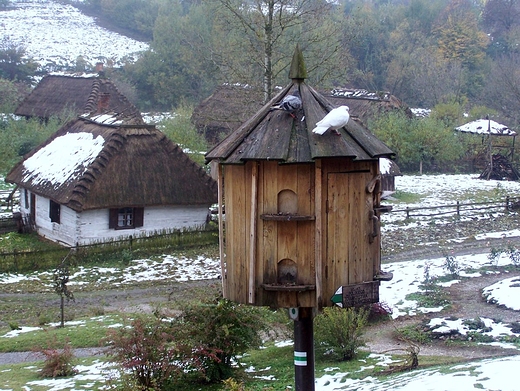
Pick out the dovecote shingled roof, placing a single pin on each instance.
(56, 94)
(275, 135)
(116, 164)
(231, 105)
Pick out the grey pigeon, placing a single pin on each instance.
(335, 119)
(290, 103)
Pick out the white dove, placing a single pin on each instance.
(335, 119)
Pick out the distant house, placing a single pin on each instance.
(102, 177)
(389, 170)
(75, 94)
(225, 110)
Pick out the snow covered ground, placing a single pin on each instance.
(56, 35)
(408, 276)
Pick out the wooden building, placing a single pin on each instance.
(103, 177)
(301, 209)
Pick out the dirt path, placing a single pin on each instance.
(467, 303)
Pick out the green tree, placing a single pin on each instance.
(502, 88)
(367, 26)
(180, 130)
(177, 67)
(11, 94)
(501, 19)
(460, 39)
(420, 144)
(13, 62)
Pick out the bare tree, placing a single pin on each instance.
(261, 36)
(502, 89)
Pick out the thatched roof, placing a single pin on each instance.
(232, 104)
(226, 109)
(275, 135)
(486, 127)
(365, 104)
(109, 163)
(80, 94)
(389, 167)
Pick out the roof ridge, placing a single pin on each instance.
(93, 97)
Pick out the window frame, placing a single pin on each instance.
(116, 215)
(54, 212)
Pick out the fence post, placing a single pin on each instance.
(507, 204)
(458, 208)
(407, 212)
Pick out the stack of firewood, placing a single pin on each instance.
(502, 169)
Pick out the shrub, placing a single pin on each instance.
(338, 332)
(148, 350)
(226, 328)
(58, 362)
(451, 265)
(201, 343)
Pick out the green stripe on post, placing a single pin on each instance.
(300, 359)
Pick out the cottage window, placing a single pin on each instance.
(26, 198)
(126, 218)
(54, 211)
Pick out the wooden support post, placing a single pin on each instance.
(252, 232)
(304, 350)
(458, 208)
(220, 186)
(490, 150)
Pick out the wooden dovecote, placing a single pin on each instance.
(302, 217)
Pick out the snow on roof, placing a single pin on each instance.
(103, 119)
(360, 93)
(384, 165)
(84, 75)
(420, 112)
(485, 126)
(65, 157)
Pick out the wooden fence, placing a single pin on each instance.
(102, 253)
(459, 208)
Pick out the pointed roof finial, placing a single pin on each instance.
(297, 70)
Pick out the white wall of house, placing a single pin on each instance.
(92, 225)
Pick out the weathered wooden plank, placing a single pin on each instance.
(299, 149)
(268, 205)
(319, 209)
(221, 242)
(237, 211)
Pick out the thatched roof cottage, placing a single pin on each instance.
(76, 94)
(102, 176)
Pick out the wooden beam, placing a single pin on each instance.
(318, 235)
(252, 232)
(220, 185)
